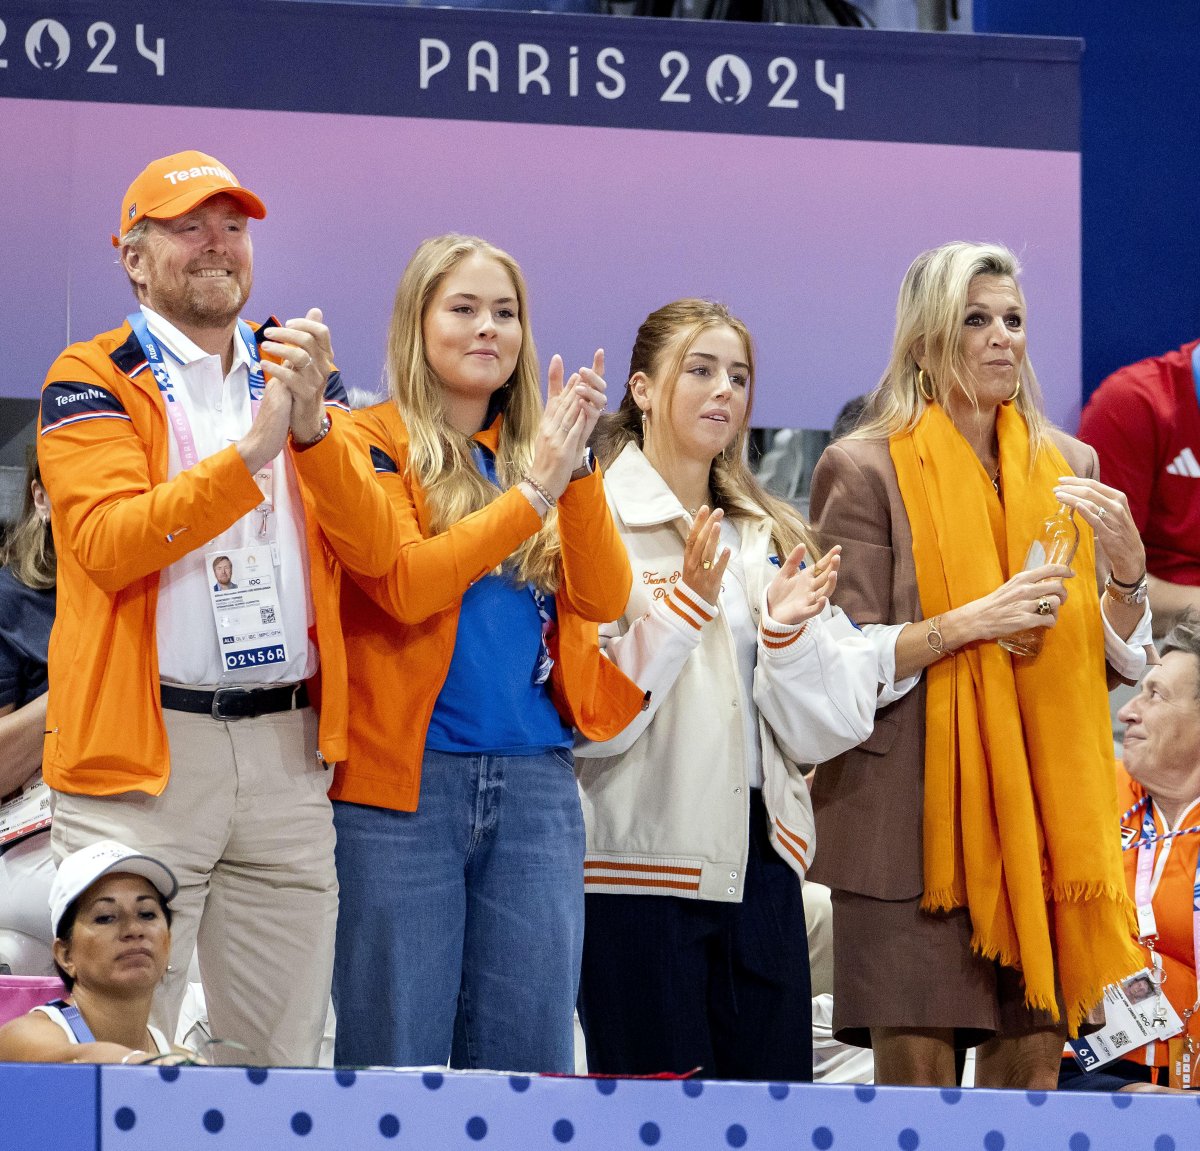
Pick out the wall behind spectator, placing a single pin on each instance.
(1141, 168)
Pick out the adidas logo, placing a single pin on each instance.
(1184, 464)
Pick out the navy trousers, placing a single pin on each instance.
(672, 984)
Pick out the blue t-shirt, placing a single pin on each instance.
(491, 703)
(26, 616)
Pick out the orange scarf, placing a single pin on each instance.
(1019, 773)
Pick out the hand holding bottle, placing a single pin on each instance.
(1015, 606)
(1055, 543)
(1106, 510)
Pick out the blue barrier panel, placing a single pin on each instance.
(55, 1108)
(792, 172)
(49, 1108)
(339, 1111)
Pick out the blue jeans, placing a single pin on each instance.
(460, 929)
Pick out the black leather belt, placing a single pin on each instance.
(235, 702)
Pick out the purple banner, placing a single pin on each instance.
(804, 237)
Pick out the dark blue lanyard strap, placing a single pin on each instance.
(485, 461)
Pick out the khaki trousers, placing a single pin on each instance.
(246, 825)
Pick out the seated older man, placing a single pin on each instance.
(1160, 784)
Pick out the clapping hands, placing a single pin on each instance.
(798, 592)
(567, 423)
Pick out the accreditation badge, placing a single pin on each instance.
(1135, 1012)
(1183, 1053)
(25, 811)
(245, 604)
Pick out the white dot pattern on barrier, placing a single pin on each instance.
(228, 1108)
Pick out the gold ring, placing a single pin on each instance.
(706, 564)
(1044, 606)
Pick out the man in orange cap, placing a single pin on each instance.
(179, 712)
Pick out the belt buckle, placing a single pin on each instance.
(227, 693)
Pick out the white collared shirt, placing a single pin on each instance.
(218, 408)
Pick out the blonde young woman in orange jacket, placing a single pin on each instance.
(460, 836)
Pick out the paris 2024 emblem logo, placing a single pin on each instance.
(728, 79)
(47, 44)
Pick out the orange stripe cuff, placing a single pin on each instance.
(703, 613)
(682, 614)
(659, 869)
(777, 639)
(631, 881)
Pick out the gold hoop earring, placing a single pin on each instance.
(922, 381)
(1016, 392)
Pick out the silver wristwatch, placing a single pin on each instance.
(587, 467)
(1135, 596)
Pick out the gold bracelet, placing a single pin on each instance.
(933, 637)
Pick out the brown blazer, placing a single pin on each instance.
(869, 801)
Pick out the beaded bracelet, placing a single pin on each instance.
(546, 497)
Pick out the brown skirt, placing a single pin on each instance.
(895, 965)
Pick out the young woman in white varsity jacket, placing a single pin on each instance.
(699, 825)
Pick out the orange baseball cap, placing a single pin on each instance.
(176, 184)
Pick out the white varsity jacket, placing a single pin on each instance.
(666, 802)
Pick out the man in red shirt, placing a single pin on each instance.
(1144, 422)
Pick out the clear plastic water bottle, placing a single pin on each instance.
(1055, 543)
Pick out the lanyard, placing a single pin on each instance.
(1131, 838)
(1196, 370)
(1147, 924)
(189, 455)
(485, 462)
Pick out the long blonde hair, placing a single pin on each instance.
(662, 343)
(28, 549)
(929, 315)
(440, 456)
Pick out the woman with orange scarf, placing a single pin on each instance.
(977, 884)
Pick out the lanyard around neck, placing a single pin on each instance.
(485, 461)
(1147, 923)
(189, 455)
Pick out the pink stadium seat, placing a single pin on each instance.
(18, 993)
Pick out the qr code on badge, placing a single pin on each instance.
(1120, 1039)
(267, 614)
